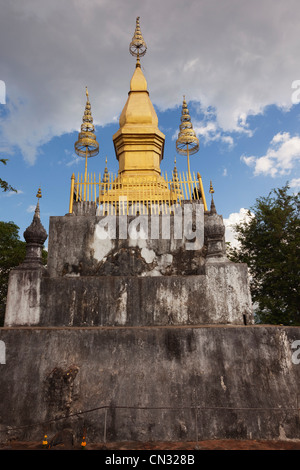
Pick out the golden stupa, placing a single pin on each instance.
(139, 144)
(139, 149)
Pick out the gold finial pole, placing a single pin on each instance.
(212, 205)
(137, 47)
(39, 195)
(72, 194)
(202, 191)
(188, 162)
(87, 145)
(85, 173)
(187, 142)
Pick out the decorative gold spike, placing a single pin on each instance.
(175, 172)
(212, 205)
(187, 142)
(175, 186)
(137, 47)
(38, 195)
(87, 146)
(87, 138)
(105, 178)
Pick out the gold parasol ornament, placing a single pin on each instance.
(187, 142)
(87, 146)
(138, 47)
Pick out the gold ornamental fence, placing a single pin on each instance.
(112, 192)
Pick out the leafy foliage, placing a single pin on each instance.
(269, 242)
(3, 184)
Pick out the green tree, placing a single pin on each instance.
(3, 184)
(269, 243)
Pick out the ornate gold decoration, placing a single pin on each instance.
(105, 178)
(87, 146)
(139, 148)
(39, 193)
(187, 142)
(113, 192)
(175, 186)
(137, 47)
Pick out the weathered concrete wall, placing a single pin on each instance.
(141, 246)
(144, 270)
(137, 270)
(243, 381)
(24, 296)
(219, 297)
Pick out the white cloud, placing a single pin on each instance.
(235, 63)
(295, 183)
(233, 219)
(281, 157)
(12, 193)
(75, 160)
(31, 208)
(209, 131)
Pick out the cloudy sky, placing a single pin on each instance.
(236, 61)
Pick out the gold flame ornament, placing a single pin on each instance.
(138, 47)
(187, 142)
(87, 145)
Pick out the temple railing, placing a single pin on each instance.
(114, 192)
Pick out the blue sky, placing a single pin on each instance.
(237, 74)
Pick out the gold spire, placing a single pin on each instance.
(39, 193)
(87, 145)
(212, 204)
(137, 47)
(175, 186)
(105, 178)
(139, 144)
(86, 138)
(187, 142)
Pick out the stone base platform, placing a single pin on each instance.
(166, 383)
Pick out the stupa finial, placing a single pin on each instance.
(187, 142)
(38, 195)
(212, 206)
(87, 142)
(137, 47)
(87, 145)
